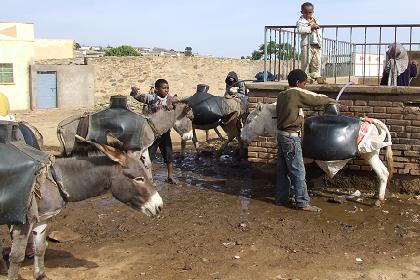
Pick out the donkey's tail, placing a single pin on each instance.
(388, 153)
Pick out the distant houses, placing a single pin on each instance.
(98, 51)
(159, 52)
(89, 51)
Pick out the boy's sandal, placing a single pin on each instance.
(321, 80)
(310, 208)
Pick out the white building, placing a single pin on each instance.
(18, 50)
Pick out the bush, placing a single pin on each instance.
(122, 51)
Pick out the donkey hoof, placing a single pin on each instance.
(3, 266)
(43, 276)
(378, 203)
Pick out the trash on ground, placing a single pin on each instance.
(354, 195)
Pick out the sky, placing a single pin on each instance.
(225, 28)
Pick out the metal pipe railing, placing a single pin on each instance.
(347, 50)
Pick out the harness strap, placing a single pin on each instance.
(57, 179)
(153, 127)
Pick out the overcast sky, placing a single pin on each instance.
(217, 27)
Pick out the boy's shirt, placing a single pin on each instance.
(308, 36)
(289, 107)
(154, 102)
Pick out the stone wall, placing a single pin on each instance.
(388, 104)
(116, 75)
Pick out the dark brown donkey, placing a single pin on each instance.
(117, 172)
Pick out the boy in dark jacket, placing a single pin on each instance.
(156, 101)
(233, 87)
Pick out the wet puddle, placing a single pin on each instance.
(254, 196)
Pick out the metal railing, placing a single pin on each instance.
(347, 51)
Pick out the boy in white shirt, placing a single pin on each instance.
(311, 40)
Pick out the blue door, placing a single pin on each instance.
(46, 83)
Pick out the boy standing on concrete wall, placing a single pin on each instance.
(311, 40)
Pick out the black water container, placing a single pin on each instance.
(118, 101)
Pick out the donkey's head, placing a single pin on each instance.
(183, 123)
(129, 183)
(258, 122)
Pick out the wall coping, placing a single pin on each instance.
(335, 88)
(179, 58)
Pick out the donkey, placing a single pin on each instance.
(212, 111)
(260, 121)
(157, 124)
(231, 128)
(118, 172)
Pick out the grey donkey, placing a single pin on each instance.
(157, 123)
(119, 172)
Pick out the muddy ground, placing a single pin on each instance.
(221, 223)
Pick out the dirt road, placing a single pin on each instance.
(221, 223)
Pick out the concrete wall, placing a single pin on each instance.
(388, 104)
(75, 84)
(53, 49)
(16, 47)
(116, 75)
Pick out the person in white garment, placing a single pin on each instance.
(311, 41)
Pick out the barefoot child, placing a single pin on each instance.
(311, 40)
(157, 101)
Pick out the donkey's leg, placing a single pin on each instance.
(195, 143)
(238, 137)
(380, 170)
(20, 235)
(219, 134)
(207, 135)
(147, 164)
(183, 147)
(195, 140)
(3, 265)
(39, 234)
(230, 129)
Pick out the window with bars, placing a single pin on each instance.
(6, 73)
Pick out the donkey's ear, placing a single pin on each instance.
(113, 153)
(113, 141)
